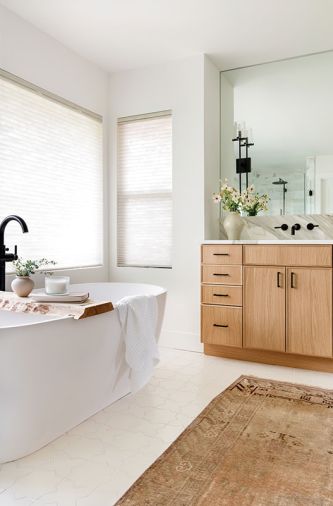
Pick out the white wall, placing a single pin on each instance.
(190, 89)
(211, 146)
(178, 86)
(40, 59)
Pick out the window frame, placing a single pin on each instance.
(48, 94)
(135, 118)
(38, 90)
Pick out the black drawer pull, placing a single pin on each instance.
(293, 280)
(217, 274)
(221, 295)
(221, 254)
(217, 325)
(278, 279)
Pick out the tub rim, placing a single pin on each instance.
(44, 319)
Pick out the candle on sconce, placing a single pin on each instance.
(243, 129)
(235, 129)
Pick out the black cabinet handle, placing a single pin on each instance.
(217, 274)
(278, 284)
(221, 254)
(218, 325)
(221, 295)
(293, 280)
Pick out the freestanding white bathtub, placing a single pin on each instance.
(56, 372)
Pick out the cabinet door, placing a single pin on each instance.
(309, 311)
(264, 308)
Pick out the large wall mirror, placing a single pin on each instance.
(286, 109)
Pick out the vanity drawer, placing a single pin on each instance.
(221, 325)
(293, 255)
(221, 295)
(222, 274)
(222, 254)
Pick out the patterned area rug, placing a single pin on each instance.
(259, 443)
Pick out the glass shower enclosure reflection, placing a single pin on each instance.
(286, 191)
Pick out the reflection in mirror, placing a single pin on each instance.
(286, 109)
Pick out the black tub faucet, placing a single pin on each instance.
(8, 257)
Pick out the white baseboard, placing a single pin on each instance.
(180, 340)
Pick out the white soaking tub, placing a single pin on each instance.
(56, 372)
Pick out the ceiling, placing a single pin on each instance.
(124, 34)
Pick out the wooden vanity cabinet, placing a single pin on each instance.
(309, 311)
(273, 303)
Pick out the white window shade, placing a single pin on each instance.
(144, 182)
(51, 174)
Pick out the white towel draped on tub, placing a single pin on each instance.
(138, 320)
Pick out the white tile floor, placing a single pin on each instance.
(95, 463)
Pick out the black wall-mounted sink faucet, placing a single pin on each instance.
(8, 257)
(295, 227)
(311, 226)
(283, 227)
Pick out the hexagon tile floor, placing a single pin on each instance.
(96, 462)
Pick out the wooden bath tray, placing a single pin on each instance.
(94, 309)
(10, 302)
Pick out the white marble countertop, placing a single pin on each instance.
(263, 230)
(291, 242)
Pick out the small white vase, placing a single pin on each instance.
(233, 225)
(22, 285)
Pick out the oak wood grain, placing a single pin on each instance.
(222, 274)
(293, 255)
(264, 308)
(221, 325)
(270, 357)
(96, 309)
(309, 311)
(224, 254)
(221, 295)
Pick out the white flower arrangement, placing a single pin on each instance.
(248, 201)
(229, 197)
(252, 203)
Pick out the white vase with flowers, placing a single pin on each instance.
(247, 202)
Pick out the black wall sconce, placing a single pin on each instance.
(243, 164)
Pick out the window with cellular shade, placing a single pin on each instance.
(144, 187)
(51, 174)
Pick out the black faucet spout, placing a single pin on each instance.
(8, 219)
(295, 227)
